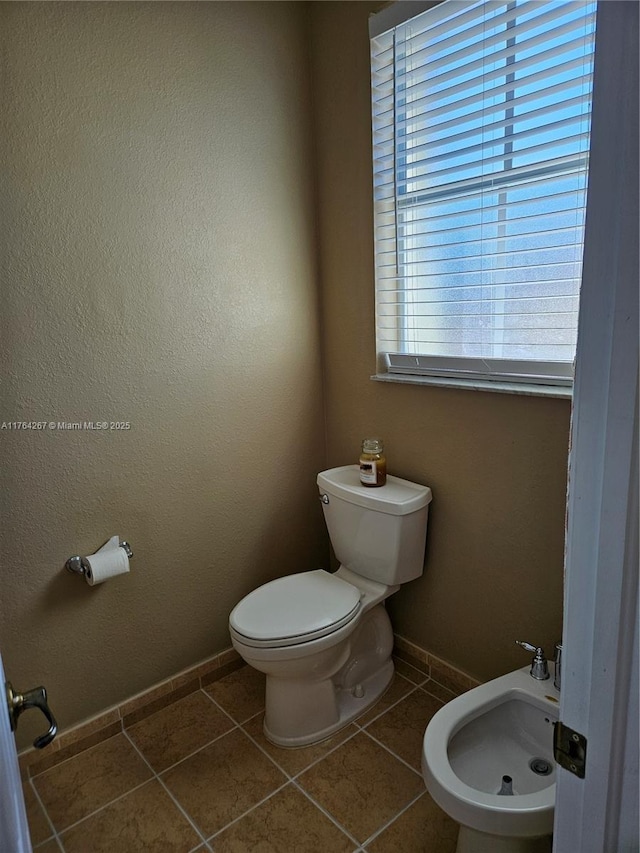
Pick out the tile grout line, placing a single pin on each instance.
(53, 838)
(424, 676)
(234, 725)
(329, 752)
(75, 754)
(386, 826)
(203, 688)
(382, 713)
(430, 677)
(223, 710)
(42, 844)
(188, 755)
(326, 813)
(442, 687)
(242, 725)
(358, 727)
(432, 696)
(248, 811)
(391, 752)
(291, 778)
(104, 806)
(252, 717)
(199, 833)
(294, 776)
(362, 730)
(155, 775)
(46, 813)
(121, 722)
(124, 729)
(264, 751)
(238, 726)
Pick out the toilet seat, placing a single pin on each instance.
(295, 609)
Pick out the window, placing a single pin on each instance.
(481, 116)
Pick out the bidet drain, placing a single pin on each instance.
(541, 766)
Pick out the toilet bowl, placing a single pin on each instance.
(503, 728)
(320, 680)
(324, 641)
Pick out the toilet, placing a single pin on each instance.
(323, 640)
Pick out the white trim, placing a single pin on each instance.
(448, 286)
(484, 369)
(526, 390)
(601, 590)
(396, 14)
(14, 829)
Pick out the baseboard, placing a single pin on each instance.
(436, 668)
(104, 725)
(107, 723)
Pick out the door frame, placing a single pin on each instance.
(599, 697)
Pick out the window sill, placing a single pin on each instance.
(525, 389)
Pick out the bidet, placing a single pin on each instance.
(500, 730)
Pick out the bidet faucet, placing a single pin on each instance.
(539, 667)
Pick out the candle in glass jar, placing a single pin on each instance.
(373, 465)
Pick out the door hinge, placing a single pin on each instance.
(570, 749)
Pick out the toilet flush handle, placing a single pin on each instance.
(324, 499)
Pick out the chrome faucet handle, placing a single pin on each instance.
(539, 667)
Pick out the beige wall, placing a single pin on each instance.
(159, 268)
(496, 463)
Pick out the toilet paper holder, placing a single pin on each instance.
(80, 566)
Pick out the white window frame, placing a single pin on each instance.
(520, 376)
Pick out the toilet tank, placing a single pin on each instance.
(377, 532)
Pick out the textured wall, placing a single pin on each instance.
(159, 268)
(496, 463)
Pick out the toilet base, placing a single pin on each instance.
(347, 704)
(472, 841)
(333, 690)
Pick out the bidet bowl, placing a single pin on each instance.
(497, 729)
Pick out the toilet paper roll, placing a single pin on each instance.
(108, 562)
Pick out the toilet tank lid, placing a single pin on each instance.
(396, 497)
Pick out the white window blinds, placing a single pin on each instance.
(481, 116)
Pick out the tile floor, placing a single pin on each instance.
(199, 775)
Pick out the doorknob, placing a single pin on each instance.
(36, 698)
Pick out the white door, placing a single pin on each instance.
(599, 697)
(14, 832)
